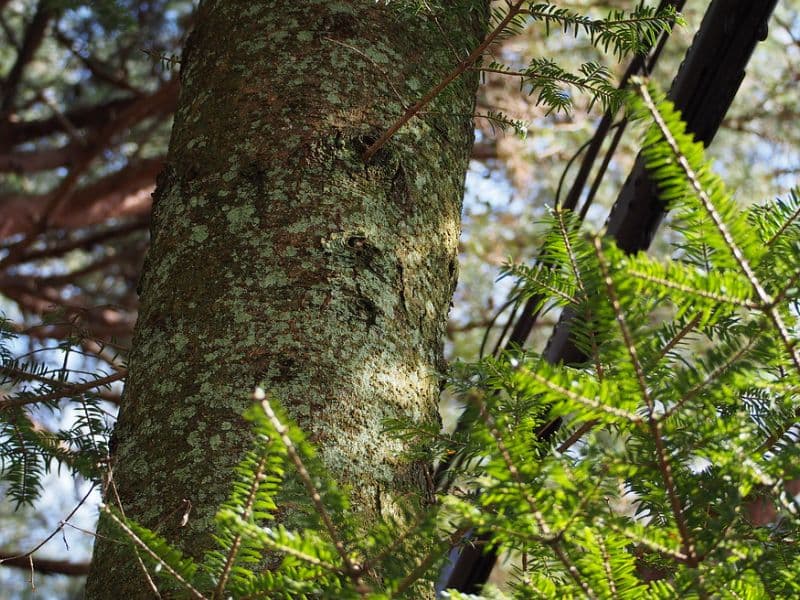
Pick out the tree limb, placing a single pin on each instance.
(44, 565)
(125, 193)
(33, 39)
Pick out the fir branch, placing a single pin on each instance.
(152, 554)
(784, 292)
(305, 557)
(594, 404)
(674, 341)
(669, 284)
(353, 570)
(502, 122)
(630, 345)
(397, 542)
(565, 232)
(551, 540)
(535, 277)
(607, 567)
(546, 77)
(776, 437)
(258, 476)
(64, 390)
(785, 223)
(692, 176)
(576, 435)
(110, 485)
(652, 422)
(269, 538)
(677, 555)
(425, 564)
(626, 32)
(708, 380)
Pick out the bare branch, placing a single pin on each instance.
(34, 36)
(474, 56)
(44, 565)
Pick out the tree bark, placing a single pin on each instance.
(279, 258)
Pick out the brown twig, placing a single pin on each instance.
(68, 389)
(513, 10)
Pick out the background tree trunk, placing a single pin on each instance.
(280, 259)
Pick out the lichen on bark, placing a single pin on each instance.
(279, 258)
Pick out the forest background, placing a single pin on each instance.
(87, 98)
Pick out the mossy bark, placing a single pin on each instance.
(279, 258)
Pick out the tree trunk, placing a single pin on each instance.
(279, 258)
